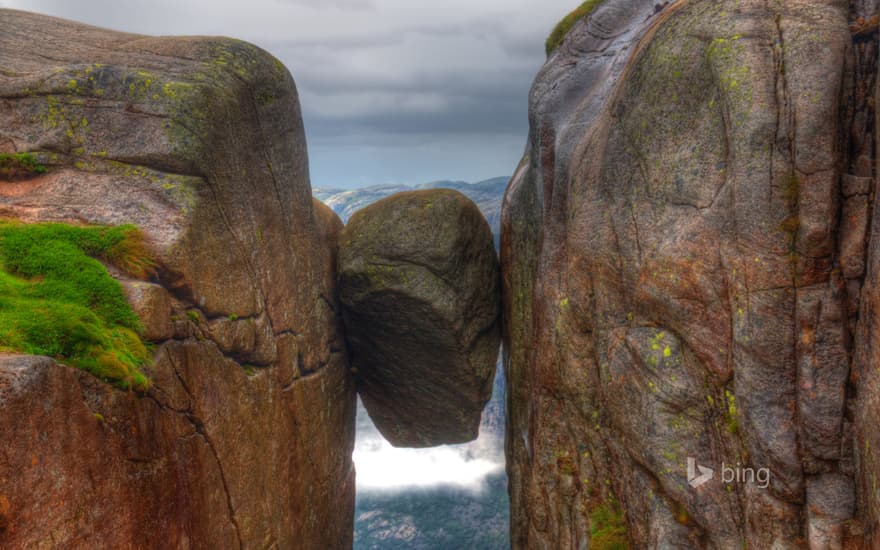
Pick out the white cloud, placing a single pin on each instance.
(382, 467)
(387, 468)
(334, 4)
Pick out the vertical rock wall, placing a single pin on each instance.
(684, 252)
(245, 438)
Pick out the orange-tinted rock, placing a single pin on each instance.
(152, 303)
(679, 281)
(245, 438)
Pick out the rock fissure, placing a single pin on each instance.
(242, 250)
(199, 428)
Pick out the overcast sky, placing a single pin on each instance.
(393, 91)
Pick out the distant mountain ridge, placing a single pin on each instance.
(487, 194)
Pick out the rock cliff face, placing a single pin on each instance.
(245, 437)
(689, 255)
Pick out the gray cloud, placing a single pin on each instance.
(324, 4)
(392, 90)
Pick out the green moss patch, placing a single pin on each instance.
(19, 166)
(608, 528)
(558, 35)
(57, 299)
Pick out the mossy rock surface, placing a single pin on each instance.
(58, 300)
(561, 29)
(419, 283)
(16, 166)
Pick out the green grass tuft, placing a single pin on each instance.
(57, 299)
(608, 528)
(558, 35)
(17, 166)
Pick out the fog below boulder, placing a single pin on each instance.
(382, 467)
(452, 496)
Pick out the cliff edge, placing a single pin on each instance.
(245, 434)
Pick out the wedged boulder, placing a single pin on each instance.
(244, 439)
(420, 289)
